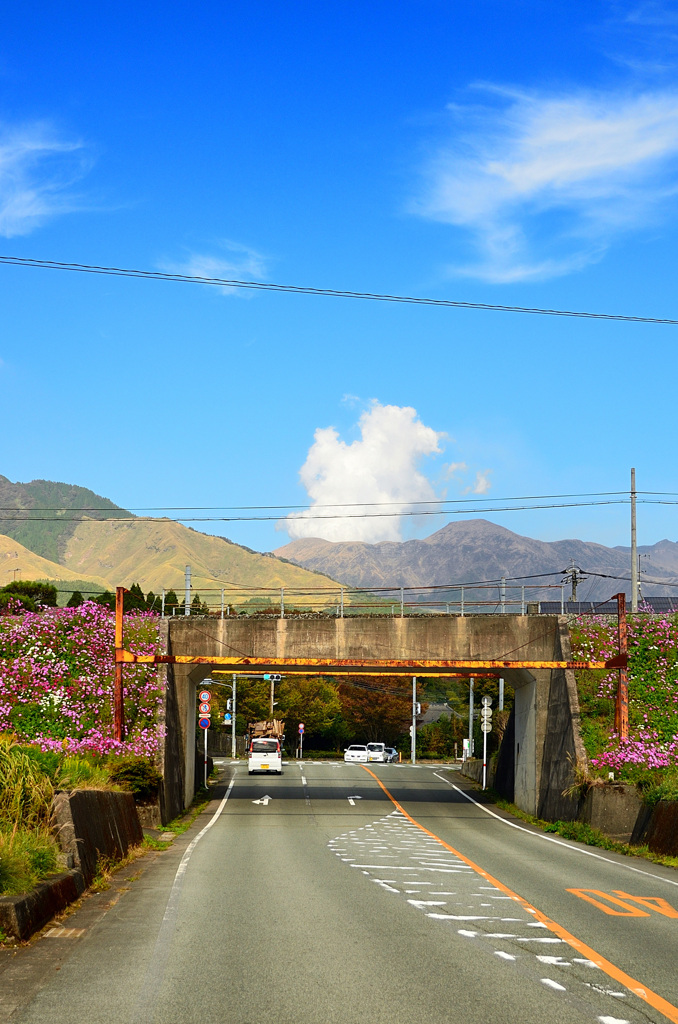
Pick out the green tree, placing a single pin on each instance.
(107, 599)
(75, 600)
(134, 599)
(171, 602)
(312, 700)
(42, 593)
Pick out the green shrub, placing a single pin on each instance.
(12, 602)
(660, 786)
(137, 774)
(42, 593)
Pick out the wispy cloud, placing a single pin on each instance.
(38, 171)
(383, 465)
(454, 468)
(481, 484)
(231, 261)
(542, 184)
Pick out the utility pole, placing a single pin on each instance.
(415, 706)
(634, 546)
(233, 709)
(470, 717)
(187, 591)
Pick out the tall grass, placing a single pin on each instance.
(26, 792)
(26, 856)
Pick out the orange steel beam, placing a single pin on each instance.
(382, 666)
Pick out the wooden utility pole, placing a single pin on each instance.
(621, 707)
(118, 692)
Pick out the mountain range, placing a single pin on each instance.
(45, 534)
(476, 550)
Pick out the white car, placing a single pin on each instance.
(376, 752)
(356, 752)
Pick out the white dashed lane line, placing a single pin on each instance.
(401, 860)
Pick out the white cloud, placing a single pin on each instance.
(383, 465)
(481, 484)
(542, 184)
(37, 172)
(234, 262)
(455, 467)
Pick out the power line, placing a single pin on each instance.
(334, 504)
(312, 518)
(157, 275)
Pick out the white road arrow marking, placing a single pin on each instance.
(263, 800)
(352, 799)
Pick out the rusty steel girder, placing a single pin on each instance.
(380, 666)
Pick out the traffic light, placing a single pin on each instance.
(229, 704)
(411, 727)
(417, 708)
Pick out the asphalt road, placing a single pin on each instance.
(390, 896)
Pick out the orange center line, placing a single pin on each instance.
(656, 1001)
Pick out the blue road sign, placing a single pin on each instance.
(228, 717)
(204, 723)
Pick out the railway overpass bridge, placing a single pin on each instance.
(531, 652)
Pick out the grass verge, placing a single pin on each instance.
(581, 832)
(179, 825)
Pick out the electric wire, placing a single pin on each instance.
(339, 293)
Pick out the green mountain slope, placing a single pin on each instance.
(95, 546)
(48, 536)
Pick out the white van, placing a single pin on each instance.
(265, 755)
(376, 751)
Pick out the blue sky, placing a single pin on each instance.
(506, 152)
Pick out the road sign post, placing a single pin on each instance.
(485, 726)
(301, 739)
(205, 709)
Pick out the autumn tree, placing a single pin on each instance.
(376, 708)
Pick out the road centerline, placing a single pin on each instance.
(652, 998)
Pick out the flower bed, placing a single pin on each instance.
(56, 681)
(653, 694)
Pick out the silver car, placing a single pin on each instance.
(356, 752)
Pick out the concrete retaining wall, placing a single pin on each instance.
(90, 824)
(95, 823)
(23, 915)
(473, 769)
(659, 828)
(614, 809)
